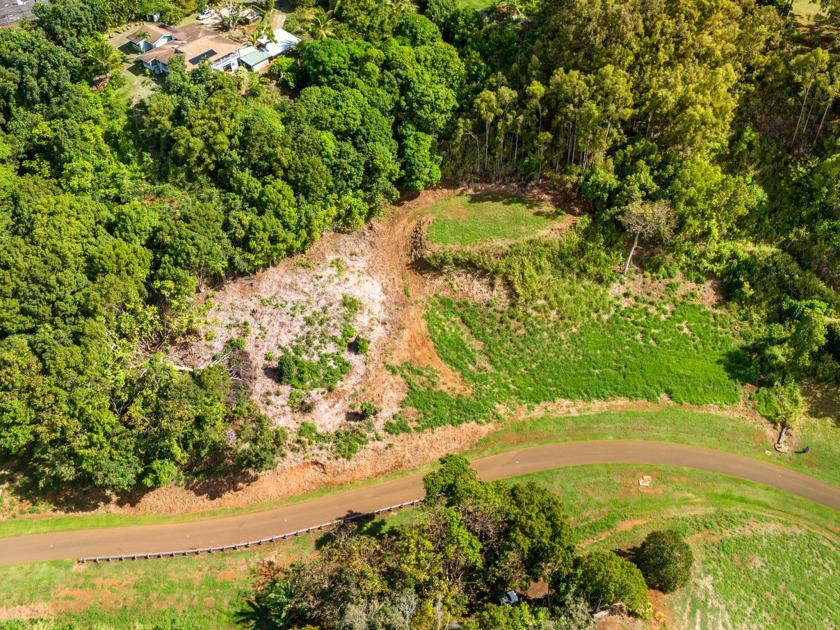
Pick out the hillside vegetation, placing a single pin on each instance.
(700, 140)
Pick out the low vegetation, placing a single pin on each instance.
(519, 356)
(478, 219)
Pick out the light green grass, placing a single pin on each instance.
(805, 10)
(477, 5)
(482, 219)
(764, 559)
(512, 357)
(198, 592)
(728, 433)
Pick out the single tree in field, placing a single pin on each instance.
(665, 560)
(648, 219)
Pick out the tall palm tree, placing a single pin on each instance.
(103, 59)
(321, 25)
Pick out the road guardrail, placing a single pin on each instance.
(251, 543)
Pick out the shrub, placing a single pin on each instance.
(606, 579)
(237, 343)
(286, 369)
(397, 425)
(665, 560)
(348, 441)
(362, 345)
(781, 403)
(368, 410)
(352, 304)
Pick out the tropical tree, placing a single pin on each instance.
(321, 25)
(649, 219)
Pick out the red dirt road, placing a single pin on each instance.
(235, 529)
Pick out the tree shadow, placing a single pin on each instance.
(503, 199)
(273, 373)
(353, 416)
(72, 499)
(213, 487)
(822, 401)
(254, 614)
(740, 365)
(407, 196)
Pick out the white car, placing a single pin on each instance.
(206, 14)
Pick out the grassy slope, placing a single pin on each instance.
(514, 357)
(763, 557)
(473, 219)
(477, 5)
(609, 509)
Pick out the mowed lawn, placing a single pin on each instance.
(478, 5)
(764, 559)
(474, 219)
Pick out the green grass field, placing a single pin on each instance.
(518, 356)
(764, 559)
(805, 10)
(473, 219)
(739, 532)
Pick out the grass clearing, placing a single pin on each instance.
(477, 5)
(518, 356)
(806, 10)
(197, 592)
(763, 558)
(481, 218)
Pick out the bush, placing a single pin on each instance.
(286, 369)
(665, 560)
(781, 403)
(362, 345)
(398, 425)
(606, 579)
(368, 410)
(348, 441)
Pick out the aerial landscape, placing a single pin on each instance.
(419, 314)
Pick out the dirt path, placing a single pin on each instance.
(230, 530)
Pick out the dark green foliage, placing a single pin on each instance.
(306, 374)
(665, 560)
(452, 559)
(417, 30)
(606, 579)
(348, 441)
(325, 59)
(368, 410)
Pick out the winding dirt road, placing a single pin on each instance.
(235, 529)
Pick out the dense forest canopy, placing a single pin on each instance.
(706, 130)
